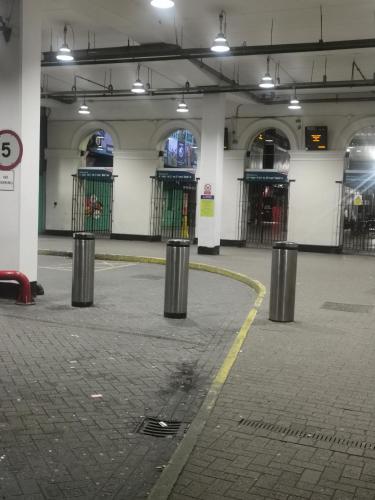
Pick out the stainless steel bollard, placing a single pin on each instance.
(83, 270)
(283, 281)
(176, 279)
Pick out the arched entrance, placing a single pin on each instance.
(359, 193)
(174, 188)
(265, 189)
(93, 185)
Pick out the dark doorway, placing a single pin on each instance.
(263, 213)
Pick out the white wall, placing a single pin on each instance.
(132, 191)
(314, 197)
(233, 170)
(137, 143)
(20, 112)
(61, 165)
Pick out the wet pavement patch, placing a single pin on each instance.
(352, 308)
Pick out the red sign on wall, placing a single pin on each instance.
(11, 150)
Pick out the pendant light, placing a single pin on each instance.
(220, 44)
(294, 102)
(65, 54)
(182, 107)
(84, 109)
(138, 87)
(267, 80)
(162, 4)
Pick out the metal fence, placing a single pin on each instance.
(173, 208)
(263, 213)
(92, 204)
(359, 220)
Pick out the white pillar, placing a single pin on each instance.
(20, 112)
(211, 174)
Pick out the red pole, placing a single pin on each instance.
(24, 296)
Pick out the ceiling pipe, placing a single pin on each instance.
(216, 89)
(168, 52)
(211, 72)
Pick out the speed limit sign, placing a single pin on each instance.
(11, 150)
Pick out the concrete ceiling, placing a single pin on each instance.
(194, 23)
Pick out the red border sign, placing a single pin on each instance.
(19, 158)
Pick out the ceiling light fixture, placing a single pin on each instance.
(267, 80)
(162, 4)
(294, 102)
(182, 107)
(220, 44)
(65, 54)
(84, 109)
(138, 87)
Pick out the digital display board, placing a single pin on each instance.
(316, 138)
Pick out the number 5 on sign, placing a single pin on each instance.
(11, 150)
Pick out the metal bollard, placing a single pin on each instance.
(283, 281)
(176, 279)
(83, 270)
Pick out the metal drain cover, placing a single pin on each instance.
(353, 308)
(331, 439)
(159, 428)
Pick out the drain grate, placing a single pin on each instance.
(353, 308)
(314, 436)
(159, 428)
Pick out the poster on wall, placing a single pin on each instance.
(7, 181)
(207, 204)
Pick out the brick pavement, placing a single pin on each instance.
(75, 383)
(307, 391)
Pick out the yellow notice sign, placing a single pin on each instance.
(207, 207)
(358, 202)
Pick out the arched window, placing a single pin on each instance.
(180, 150)
(97, 150)
(360, 153)
(269, 150)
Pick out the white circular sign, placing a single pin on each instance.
(11, 150)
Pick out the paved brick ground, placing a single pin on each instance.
(310, 385)
(75, 383)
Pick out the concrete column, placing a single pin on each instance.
(211, 174)
(20, 112)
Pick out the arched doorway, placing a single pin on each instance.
(265, 189)
(174, 188)
(359, 193)
(93, 185)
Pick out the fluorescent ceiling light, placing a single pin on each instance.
(84, 109)
(162, 4)
(267, 80)
(182, 107)
(64, 53)
(220, 44)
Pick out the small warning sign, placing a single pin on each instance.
(358, 201)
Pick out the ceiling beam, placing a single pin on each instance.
(262, 95)
(168, 52)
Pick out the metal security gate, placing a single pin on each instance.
(92, 202)
(173, 207)
(263, 212)
(359, 212)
